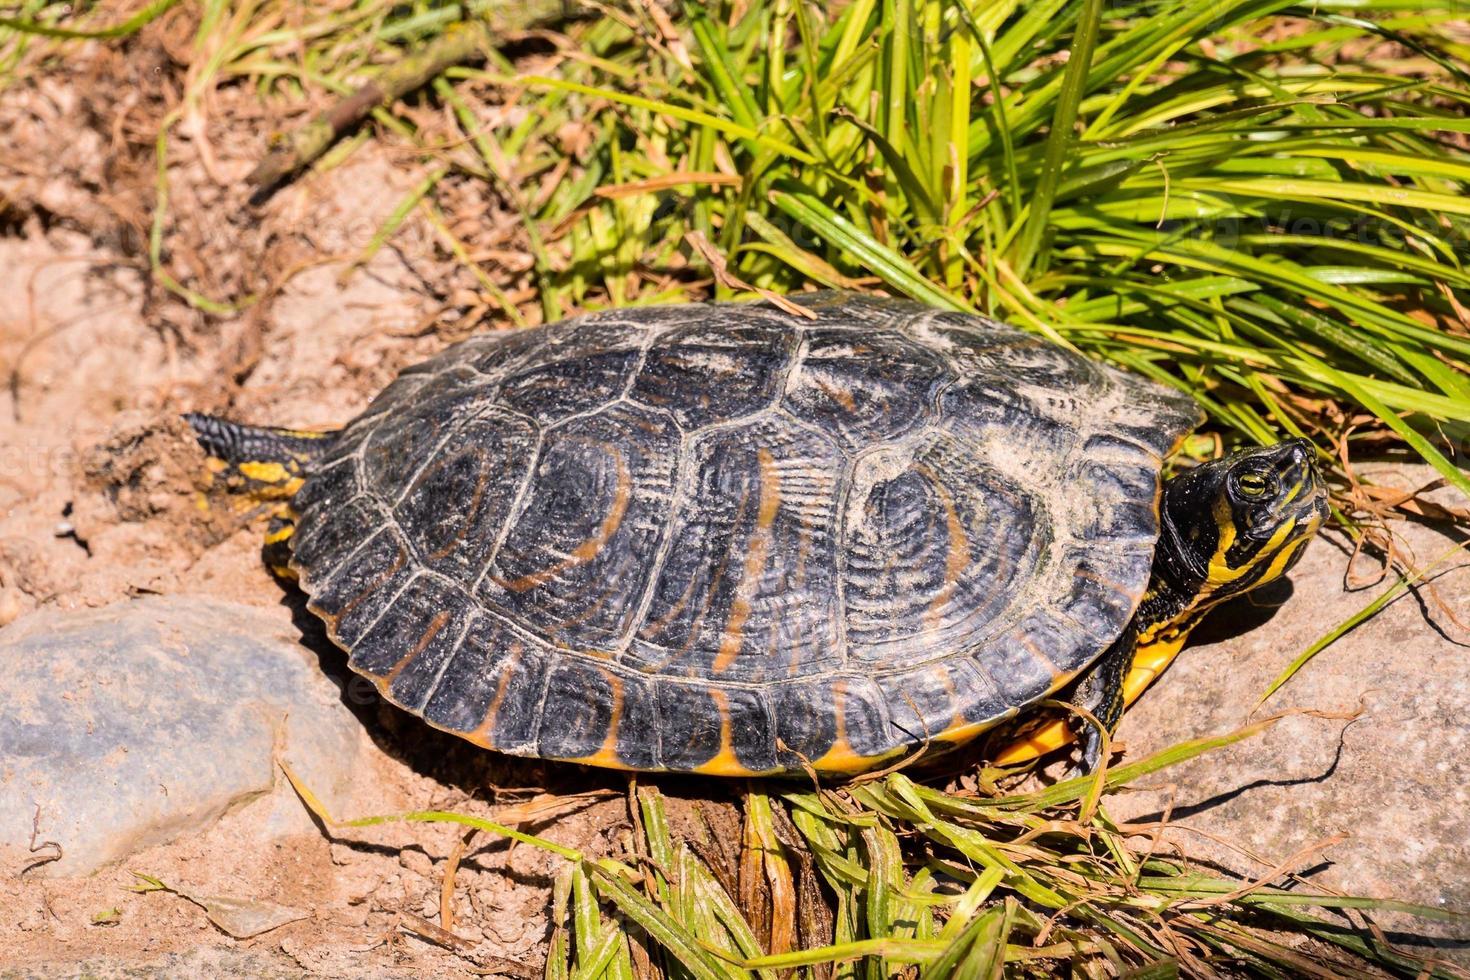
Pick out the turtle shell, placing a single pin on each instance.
(727, 539)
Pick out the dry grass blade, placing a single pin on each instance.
(719, 267)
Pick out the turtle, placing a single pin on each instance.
(742, 539)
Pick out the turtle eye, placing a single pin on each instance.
(1253, 485)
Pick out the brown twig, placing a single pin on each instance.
(296, 150)
(462, 42)
(42, 845)
(446, 890)
(417, 925)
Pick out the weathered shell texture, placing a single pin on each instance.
(726, 539)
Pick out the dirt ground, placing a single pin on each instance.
(97, 481)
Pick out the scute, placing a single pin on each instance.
(492, 691)
(938, 548)
(551, 391)
(582, 541)
(481, 465)
(715, 373)
(725, 539)
(864, 388)
(748, 590)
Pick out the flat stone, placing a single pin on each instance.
(127, 726)
(1396, 779)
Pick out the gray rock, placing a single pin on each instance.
(133, 724)
(1397, 779)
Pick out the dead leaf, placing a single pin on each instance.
(241, 918)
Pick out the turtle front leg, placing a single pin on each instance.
(1101, 693)
(1123, 672)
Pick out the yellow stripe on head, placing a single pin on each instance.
(1221, 571)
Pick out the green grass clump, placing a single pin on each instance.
(892, 878)
(1258, 202)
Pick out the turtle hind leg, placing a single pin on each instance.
(276, 551)
(261, 462)
(266, 467)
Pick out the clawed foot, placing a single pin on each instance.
(1089, 743)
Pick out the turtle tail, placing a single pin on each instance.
(262, 462)
(266, 465)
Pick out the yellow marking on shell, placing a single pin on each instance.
(656, 626)
(481, 733)
(957, 551)
(598, 759)
(837, 393)
(722, 765)
(332, 621)
(1111, 585)
(215, 464)
(1058, 676)
(840, 759)
(723, 762)
(755, 561)
(435, 627)
(590, 547)
(839, 752)
(946, 680)
(469, 511)
(607, 755)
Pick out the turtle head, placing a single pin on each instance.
(1235, 523)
